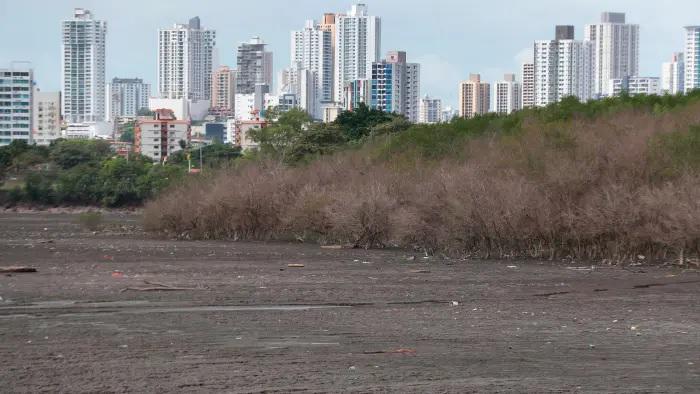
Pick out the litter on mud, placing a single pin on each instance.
(295, 265)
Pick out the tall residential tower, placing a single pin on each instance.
(692, 58)
(312, 49)
(357, 46)
(474, 97)
(673, 75)
(254, 66)
(615, 50)
(83, 68)
(185, 61)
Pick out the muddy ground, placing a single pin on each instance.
(348, 321)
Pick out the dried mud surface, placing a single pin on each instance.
(243, 320)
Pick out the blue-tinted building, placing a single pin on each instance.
(16, 91)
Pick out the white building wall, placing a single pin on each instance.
(430, 110)
(635, 86)
(692, 58)
(546, 62)
(673, 75)
(185, 62)
(412, 96)
(615, 50)
(312, 49)
(125, 97)
(508, 95)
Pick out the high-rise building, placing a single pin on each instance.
(160, 136)
(635, 85)
(126, 96)
(328, 24)
(395, 85)
(357, 46)
(430, 110)
(16, 102)
(563, 68)
(508, 94)
(223, 90)
(412, 96)
(474, 97)
(386, 93)
(692, 58)
(46, 116)
(185, 61)
(312, 49)
(83, 68)
(254, 66)
(673, 75)
(528, 88)
(615, 50)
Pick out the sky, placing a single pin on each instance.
(450, 38)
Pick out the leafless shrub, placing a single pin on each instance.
(578, 189)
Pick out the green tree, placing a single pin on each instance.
(278, 136)
(70, 153)
(127, 132)
(358, 123)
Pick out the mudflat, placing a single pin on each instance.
(118, 310)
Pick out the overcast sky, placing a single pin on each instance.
(450, 38)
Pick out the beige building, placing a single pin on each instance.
(474, 97)
(160, 137)
(528, 90)
(328, 24)
(46, 117)
(223, 90)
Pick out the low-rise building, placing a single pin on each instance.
(635, 85)
(160, 136)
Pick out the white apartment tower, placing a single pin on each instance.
(185, 61)
(312, 49)
(692, 58)
(508, 93)
(563, 67)
(83, 68)
(673, 75)
(430, 110)
(474, 97)
(615, 50)
(357, 46)
(126, 96)
(528, 87)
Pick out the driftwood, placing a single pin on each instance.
(16, 269)
(158, 287)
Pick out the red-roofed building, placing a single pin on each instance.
(160, 136)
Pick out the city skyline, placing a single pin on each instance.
(434, 43)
